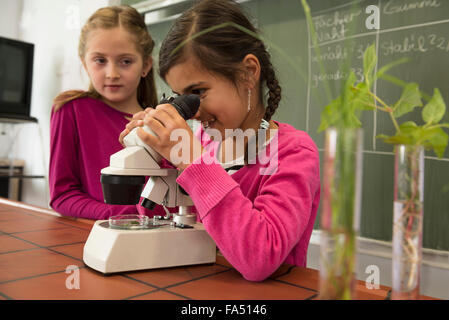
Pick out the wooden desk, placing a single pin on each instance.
(36, 247)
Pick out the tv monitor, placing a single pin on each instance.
(16, 74)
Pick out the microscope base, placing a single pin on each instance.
(111, 250)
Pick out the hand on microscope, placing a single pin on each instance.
(163, 121)
(136, 121)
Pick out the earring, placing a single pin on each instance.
(249, 99)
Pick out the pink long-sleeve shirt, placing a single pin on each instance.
(83, 135)
(260, 221)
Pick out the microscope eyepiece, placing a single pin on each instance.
(186, 104)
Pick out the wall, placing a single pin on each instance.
(11, 12)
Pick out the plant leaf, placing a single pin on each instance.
(347, 107)
(410, 98)
(362, 99)
(382, 136)
(390, 65)
(347, 90)
(369, 63)
(397, 139)
(408, 127)
(436, 139)
(330, 114)
(434, 111)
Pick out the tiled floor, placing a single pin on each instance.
(232, 286)
(41, 257)
(92, 286)
(11, 244)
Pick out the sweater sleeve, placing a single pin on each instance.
(256, 236)
(66, 192)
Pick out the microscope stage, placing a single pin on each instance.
(110, 250)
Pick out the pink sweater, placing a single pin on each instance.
(260, 221)
(83, 135)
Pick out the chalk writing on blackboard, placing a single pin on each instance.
(392, 7)
(415, 43)
(338, 75)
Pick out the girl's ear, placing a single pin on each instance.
(147, 65)
(251, 67)
(83, 61)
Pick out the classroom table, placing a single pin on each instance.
(39, 250)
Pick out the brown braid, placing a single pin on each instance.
(274, 93)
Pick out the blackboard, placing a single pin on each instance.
(418, 29)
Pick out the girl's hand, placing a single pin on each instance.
(163, 121)
(136, 121)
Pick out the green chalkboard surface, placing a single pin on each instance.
(418, 29)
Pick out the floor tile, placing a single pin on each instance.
(17, 214)
(222, 260)
(231, 285)
(55, 237)
(72, 250)
(363, 293)
(8, 215)
(30, 223)
(92, 286)
(282, 270)
(170, 276)
(79, 223)
(8, 244)
(427, 298)
(307, 278)
(159, 295)
(29, 263)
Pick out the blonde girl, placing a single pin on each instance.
(115, 49)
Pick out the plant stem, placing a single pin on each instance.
(385, 108)
(408, 225)
(315, 45)
(390, 112)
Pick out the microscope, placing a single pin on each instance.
(137, 242)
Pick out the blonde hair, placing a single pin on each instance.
(112, 17)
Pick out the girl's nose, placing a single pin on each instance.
(112, 72)
(197, 115)
(201, 114)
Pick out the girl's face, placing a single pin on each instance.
(223, 105)
(115, 65)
